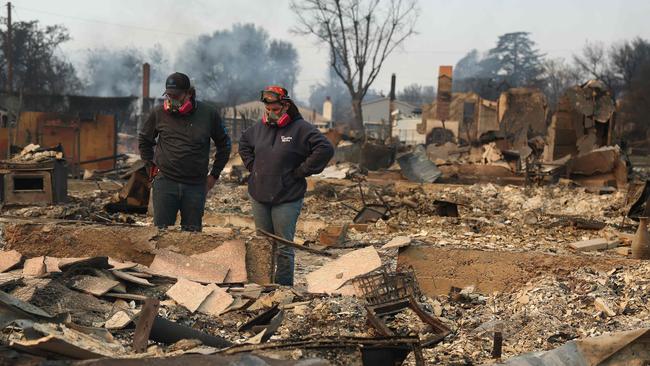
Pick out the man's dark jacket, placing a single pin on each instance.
(182, 143)
(279, 159)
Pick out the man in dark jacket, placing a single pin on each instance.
(280, 152)
(180, 131)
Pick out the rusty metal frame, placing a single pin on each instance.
(387, 292)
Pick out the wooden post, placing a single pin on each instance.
(498, 344)
(143, 327)
(10, 63)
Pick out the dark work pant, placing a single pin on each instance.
(280, 220)
(170, 196)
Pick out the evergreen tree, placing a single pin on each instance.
(515, 61)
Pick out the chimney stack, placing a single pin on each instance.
(145, 80)
(327, 109)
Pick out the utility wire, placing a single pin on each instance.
(106, 23)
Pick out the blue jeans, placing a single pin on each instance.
(170, 196)
(279, 219)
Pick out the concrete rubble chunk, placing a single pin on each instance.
(397, 242)
(602, 305)
(11, 301)
(174, 265)
(34, 267)
(280, 297)
(333, 275)
(120, 265)
(130, 278)
(52, 264)
(189, 294)
(217, 302)
(624, 251)
(249, 291)
(119, 320)
(230, 254)
(97, 286)
(237, 304)
(9, 259)
(594, 244)
(64, 341)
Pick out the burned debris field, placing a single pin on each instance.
(324, 182)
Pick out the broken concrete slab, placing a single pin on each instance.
(130, 278)
(216, 302)
(330, 277)
(63, 341)
(249, 291)
(120, 265)
(238, 304)
(97, 286)
(397, 242)
(12, 308)
(277, 297)
(231, 255)
(34, 267)
(52, 264)
(9, 259)
(10, 277)
(594, 244)
(120, 319)
(174, 265)
(189, 294)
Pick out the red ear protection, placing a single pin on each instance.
(283, 121)
(186, 108)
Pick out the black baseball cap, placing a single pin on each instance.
(176, 83)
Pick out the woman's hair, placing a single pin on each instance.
(293, 111)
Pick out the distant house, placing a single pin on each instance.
(469, 116)
(376, 116)
(241, 116)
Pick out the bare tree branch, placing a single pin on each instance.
(361, 35)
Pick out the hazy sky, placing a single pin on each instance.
(446, 29)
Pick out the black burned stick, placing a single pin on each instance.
(283, 241)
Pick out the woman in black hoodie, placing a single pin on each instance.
(280, 152)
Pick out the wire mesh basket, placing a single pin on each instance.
(387, 286)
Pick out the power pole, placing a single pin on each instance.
(391, 107)
(10, 65)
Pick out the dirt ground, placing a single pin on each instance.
(488, 271)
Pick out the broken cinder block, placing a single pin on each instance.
(189, 294)
(333, 275)
(9, 259)
(594, 244)
(34, 267)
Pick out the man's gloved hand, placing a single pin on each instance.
(152, 170)
(209, 184)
